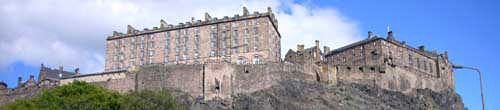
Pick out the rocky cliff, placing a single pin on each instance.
(310, 95)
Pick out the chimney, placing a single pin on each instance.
(245, 11)
(390, 36)
(115, 33)
(269, 10)
(130, 29)
(77, 71)
(163, 24)
(370, 34)
(326, 49)
(42, 67)
(32, 78)
(19, 81)
(421, 48)
(207, 17)
(300, 48)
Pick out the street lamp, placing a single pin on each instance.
(480, 79)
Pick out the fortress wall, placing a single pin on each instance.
(187, 78)
(392, 78)
(121, 85)
(95, 78)
(201, 80)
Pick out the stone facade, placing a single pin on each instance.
(250, 38)
(391, 64)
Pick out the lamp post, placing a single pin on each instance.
(480, 79)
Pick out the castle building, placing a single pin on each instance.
(403, 63)
(247, 39)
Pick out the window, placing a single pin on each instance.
(213, 41)
(425, 65)
(151, 44)
(430, 67)
(256, 59)
(235, 41)
(256, 30)
(418, 63)
(241, 60)
(256, 43)
(167, 46)
(151, 53)
(410, 60)
(150, 60)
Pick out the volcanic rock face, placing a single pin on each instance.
(310, 95)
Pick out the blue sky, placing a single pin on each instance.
(54, 33)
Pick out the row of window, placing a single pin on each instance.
(257, 59)
(411, 61)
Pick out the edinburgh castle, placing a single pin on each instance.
(218, 58)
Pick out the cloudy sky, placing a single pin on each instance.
(72, 32)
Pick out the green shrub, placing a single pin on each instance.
(83, 96)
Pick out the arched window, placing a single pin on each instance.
(241, 60)
(257, 59)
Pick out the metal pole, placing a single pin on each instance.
(480, 79)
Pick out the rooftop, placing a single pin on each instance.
(164, 26)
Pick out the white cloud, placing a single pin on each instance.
(73, 32)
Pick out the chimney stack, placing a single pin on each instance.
(207, 17)
(77, 71)
(130, 29)
(421, 48)
(300, 48)
(370, 34)
(32, 78)
(163, 24)
(390, 36)
(269, 10)
(19, 81)
(245, 11)
(326, 49)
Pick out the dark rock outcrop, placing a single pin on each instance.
(309, 95)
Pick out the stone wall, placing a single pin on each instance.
(214, 80)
